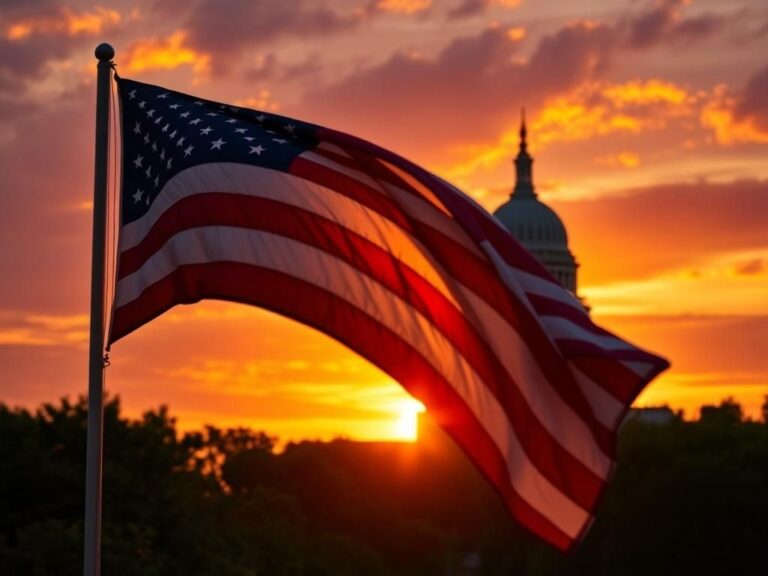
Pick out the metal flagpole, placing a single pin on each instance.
(92, 560)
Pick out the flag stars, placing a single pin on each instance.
(148, 171)
(217, 144)
(205, 131)
(174, 106)
(231, 121)
(291, 128)
(142, 105)
(163, 95)
(241, 130)
(146, 138)
(198, 103)
(249, 138)
(137, 128)
(261, 118)
(212, 114)
(280, 140)
(168, 164)
(138, 195)
(184, 114)
(138, 161)
(195, 122)
(165, 128)
(257, 150)
(151, 113)
(132, 94)
(159, 119)
(154, 146)
(162, 154)
(172, 135)
(180, 141)
(157, 180)
(187, 151)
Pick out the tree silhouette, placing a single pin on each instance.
(687, 498)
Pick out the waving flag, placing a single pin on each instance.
(233, 204)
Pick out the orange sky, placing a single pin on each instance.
(649, 126)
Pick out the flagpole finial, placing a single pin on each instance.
(104, 52)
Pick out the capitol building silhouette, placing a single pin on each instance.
(534, 224)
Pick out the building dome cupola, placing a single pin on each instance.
(524, 164)
(534, 224)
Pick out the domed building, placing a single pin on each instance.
(534, 224)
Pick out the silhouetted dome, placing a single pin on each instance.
(532, 223)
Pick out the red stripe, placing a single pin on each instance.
(562, 469)
(330, 314)
(574, 347)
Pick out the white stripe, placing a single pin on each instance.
(642, 369)
(215, 244)
(605, 407)
(567, 427)
(559, 327)
(532, 284)
(293, 191)
(324, 145)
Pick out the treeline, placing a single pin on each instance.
(687, 498)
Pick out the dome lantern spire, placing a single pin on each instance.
(524, 165)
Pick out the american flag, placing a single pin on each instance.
(234, 204)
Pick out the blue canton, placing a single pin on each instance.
(165, 132)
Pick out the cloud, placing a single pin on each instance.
(63, 22)
(403, 6)
(225, 29)
(711, 283)
(462, 95)
(270, 68)
(489, 72)
(33, 34)
(166, 54)
(664, 228)
(751, 267)
(594, 109)
(600, 108)
(752, 104)
(738, 118)
(19, 329)
(470, 8)
(623, 159)
(662, 22)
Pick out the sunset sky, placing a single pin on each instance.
(648, 121)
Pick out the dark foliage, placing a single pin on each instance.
(687, 498)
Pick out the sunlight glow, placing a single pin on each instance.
(407, 427)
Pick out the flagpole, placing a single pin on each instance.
(92, 561)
